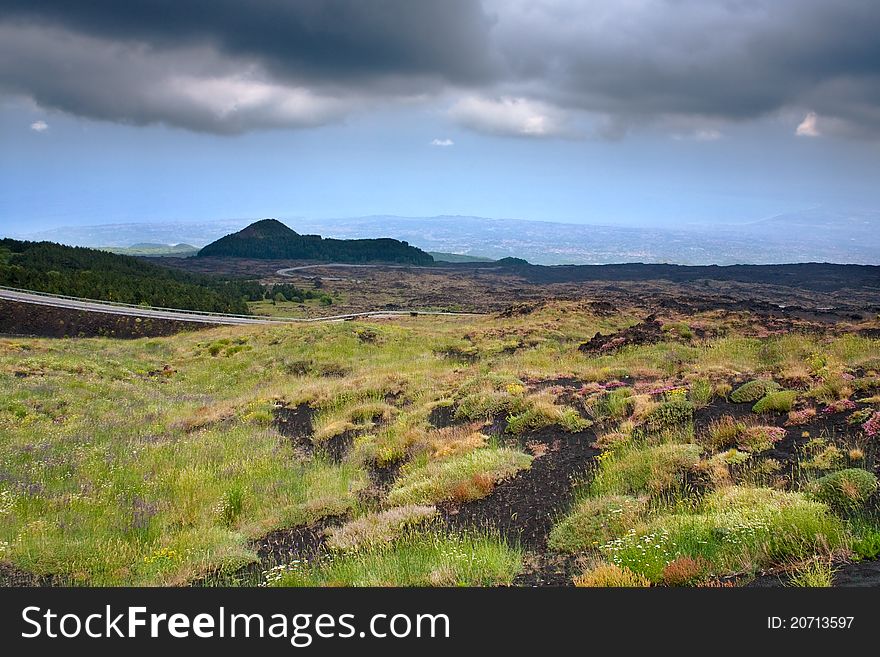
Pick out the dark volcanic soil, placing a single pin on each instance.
(855, 574)
(13, 576)
(649, 331)
(524, 507)
(45, 321)
(281, 546)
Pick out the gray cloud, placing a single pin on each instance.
(512, 67)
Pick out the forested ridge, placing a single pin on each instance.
(270, 239)
(94, 274)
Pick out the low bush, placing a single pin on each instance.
(819, 454)
(776, 402)
(463, 477)
(867, 546)
(858, 418)
(845, 490)
(485, 405)
(831, 389)
(759, 438)
(685, 571)
(442, 443)
(753, 390)
(611, 576)
(801, 417)
(670, 414)
(594, 521)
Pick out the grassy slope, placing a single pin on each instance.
(112, 475)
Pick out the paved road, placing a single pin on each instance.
(130, 311)
(188, 316)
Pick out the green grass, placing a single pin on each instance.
(115, 473)
(655, 471)
(418, 559)
(734, 530)
(814, 574)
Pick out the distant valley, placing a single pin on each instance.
(808, 236)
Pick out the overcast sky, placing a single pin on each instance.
(609, 111)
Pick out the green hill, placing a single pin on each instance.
(270, 239)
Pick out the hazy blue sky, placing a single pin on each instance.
(639, 112)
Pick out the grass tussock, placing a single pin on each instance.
(416, 559)
(594, 521)
(459, 478)
(654, 471)
(381, 528)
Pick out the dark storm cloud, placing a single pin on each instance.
(320, 40)
(512, 66)
(728, 60)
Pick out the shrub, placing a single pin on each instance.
(820, 455)
(753, 390)
(859, 417)
(655, 470)
(611, 576)
(839, 406)
(867, 546)
(380, 528)
(670, 414)
(872, 425)
(759, 438)
(776, 402)
(441, 443)
(463, 477)
(685, 571)
(723, 390)
(845, 490)
(832, 388)
(801, 417)
(487, 404)
(594, 521)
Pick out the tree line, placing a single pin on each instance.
(93, 274)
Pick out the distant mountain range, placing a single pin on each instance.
(809, 236)
(269, 239)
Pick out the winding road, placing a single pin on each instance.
(111, 308)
